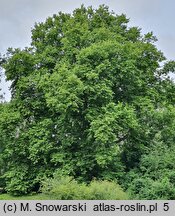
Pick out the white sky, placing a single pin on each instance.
(17, 17)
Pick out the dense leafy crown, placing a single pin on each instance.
(86, 98)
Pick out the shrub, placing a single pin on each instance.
(63, 188)
(67, 188)
(148, 189)
(105, 190)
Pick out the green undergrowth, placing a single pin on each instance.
(67, 188)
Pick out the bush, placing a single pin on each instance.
(67, 188)
(155, 176)
(17, 181)
(63, 188)
(105, 190)
(148, 189)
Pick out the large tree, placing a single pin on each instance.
(85, 91)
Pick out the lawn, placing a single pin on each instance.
(27, 197)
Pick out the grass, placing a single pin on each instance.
(27, 197)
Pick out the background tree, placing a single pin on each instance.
(1, 96)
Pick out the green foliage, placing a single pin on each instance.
(9, 119)
(1, 96)
(148, 189)
(90, 99)
(18, 180)
(154, 177)
(66, 188)
(105, 190)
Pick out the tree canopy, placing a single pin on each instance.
(90, 98)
